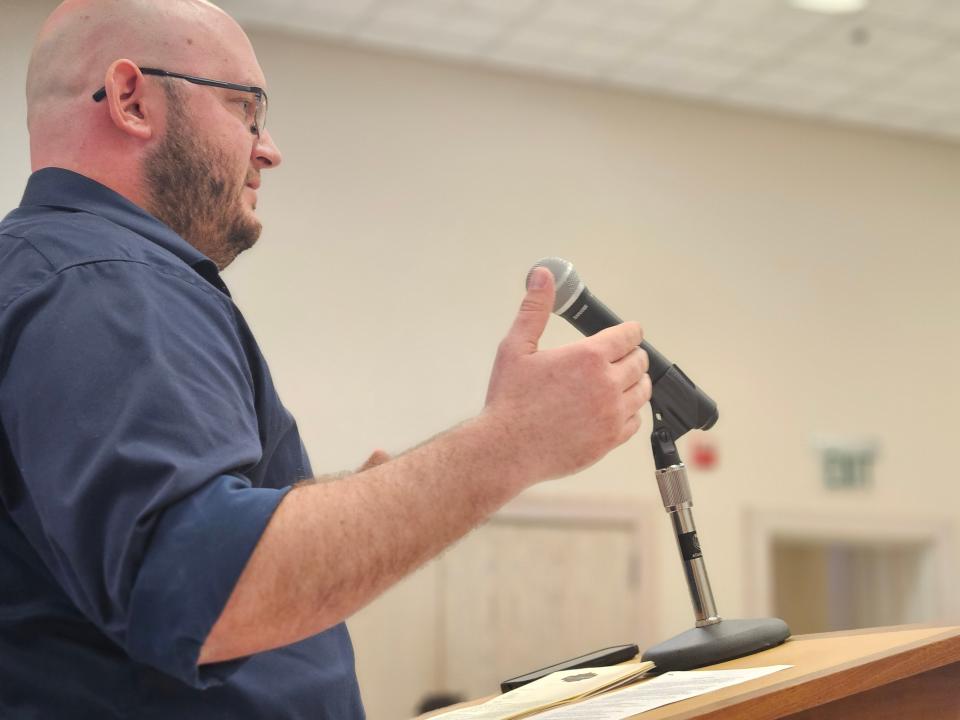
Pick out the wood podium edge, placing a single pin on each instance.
(783, 698)
(874, 631)
(792, 695)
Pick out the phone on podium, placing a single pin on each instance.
(598, 658)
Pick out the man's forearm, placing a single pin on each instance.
(332, 547)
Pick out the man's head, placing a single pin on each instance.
(186, 152)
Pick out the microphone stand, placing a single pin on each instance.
(714, 639)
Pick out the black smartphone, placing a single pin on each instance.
(598, 658)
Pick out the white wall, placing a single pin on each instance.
(803, 274)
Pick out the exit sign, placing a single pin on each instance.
(847, 464)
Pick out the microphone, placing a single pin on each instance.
(680, 403)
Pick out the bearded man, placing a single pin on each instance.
(163, 553)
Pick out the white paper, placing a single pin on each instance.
(668, 688)
(548, 690)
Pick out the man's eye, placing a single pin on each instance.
(249, 111)
(246, 107)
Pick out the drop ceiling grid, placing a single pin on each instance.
(895, 65)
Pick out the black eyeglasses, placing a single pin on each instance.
(257, 117)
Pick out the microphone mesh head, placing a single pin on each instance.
(564, 277)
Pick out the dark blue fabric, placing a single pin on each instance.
(143, 450)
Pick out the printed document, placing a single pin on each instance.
(554, 689)
(668, 688)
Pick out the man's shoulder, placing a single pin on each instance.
(38, 244)
(61, 238)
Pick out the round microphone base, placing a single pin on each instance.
(725, 640)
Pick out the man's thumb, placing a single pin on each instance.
(534, 311)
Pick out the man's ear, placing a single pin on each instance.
(132, 109)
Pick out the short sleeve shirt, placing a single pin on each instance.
(143, 450)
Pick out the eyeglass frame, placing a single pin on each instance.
(259, 92)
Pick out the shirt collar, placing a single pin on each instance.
(59, 188)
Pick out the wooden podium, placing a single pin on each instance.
(902, 673)
(907, 673)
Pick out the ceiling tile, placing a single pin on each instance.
(577, 12)
(453, 44)
(642, 27)
(411, 17)
(540, 37)
(606, 47)
(946, 18)
(348, 8)
(473, 28)
(695, 37)
(736, 16)
(393, 35)
(671, 8)
(901, 10)
(876, 44)
(895, 65)
(757, 46)
(788, 23)
(327, 18)
(499, 8)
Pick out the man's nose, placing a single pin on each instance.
(265, 153)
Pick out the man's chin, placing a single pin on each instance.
(247, 235)
(242, 235)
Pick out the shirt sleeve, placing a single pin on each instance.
(129, 411)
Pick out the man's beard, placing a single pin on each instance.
(189, 190)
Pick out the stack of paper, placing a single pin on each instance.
(668, 688)
(555, 689)
(583, 694)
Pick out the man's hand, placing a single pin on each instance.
(567, 407)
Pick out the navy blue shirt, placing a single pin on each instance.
(143, 450)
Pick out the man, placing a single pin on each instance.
(161, 554)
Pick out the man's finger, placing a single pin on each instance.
(644, 359)
(630, 368)
(637, 396)
(630, 427)
(617, 341)
(531, 320)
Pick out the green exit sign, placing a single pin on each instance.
(847, 464)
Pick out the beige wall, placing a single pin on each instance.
(803, 274)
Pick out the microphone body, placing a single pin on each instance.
(589, 315)
(682, 406)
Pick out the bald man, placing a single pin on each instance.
(164, 552)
